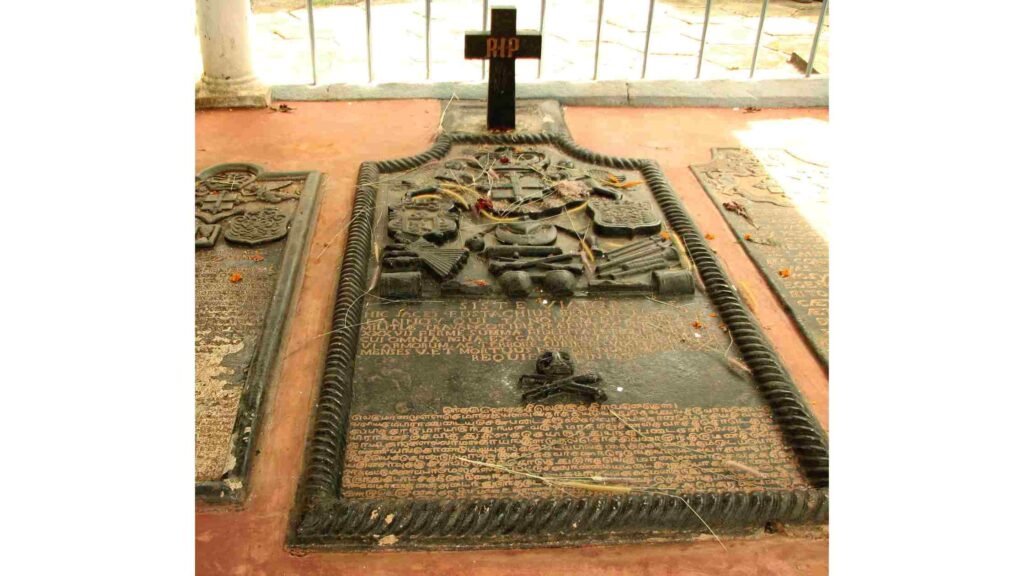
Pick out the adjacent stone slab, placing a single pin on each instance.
(491, 390)
(251, 232)
(777, 205)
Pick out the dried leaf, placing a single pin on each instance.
(709, 236)
(762, 242)
(629, 184)
(713, 315)
(734, 206)
(235, 277)
(697, 324)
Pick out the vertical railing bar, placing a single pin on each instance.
(540, 61)
(483, 63)
(597, 43)
(647, 41)
(428, 38)
(369, 44)
(312, 38)
(757, 39)
(703, 37)
(814, 44)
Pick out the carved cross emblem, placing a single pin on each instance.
(522, 185)
(216, 203)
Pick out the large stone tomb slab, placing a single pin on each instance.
(777, 206)
(252, 230)
(532, 345)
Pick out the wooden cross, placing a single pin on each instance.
(502, 46)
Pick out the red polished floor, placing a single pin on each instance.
(333, 138)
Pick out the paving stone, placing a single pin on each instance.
(730, 33)
(800, 55)
(752, 9)
(786, 44)
(789, 26)
(739, 57)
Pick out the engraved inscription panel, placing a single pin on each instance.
(245, 267)
(436, 381)
(690, 449)
(498, 330)
(229, 319)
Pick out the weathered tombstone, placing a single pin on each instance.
(532, 344)
(251, 232)
(501, 47)
(777, 206)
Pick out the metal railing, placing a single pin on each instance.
(597, 38)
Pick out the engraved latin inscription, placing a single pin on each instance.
(496, 331)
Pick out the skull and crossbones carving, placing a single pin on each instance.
(555, 375)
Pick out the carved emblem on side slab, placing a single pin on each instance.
(258, 226)
(250, 206)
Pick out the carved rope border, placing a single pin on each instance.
(325, 520)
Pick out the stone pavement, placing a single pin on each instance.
(320, 136)
(281, 41)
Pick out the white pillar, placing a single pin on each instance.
(228, 80)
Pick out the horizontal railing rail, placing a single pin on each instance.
(597, 38)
